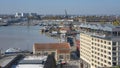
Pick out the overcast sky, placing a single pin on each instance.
(82, 7)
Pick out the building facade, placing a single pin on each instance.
(100, 45)
(61, 51)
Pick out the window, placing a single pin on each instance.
(109, 53)
(95, 43)
(114, 33)
(105, 61)
(114, 48)
(98, 49)
(109, 58)
(95, 56)
(104, 46)
(114, 53)
(61, 56)
(102, 55)
(114, 63)
(101, 59)
(95, 52)
(109, 63)
(113, 43)
(98, 44)
(101, 41)
(109, 43)
(95, 66)
(104, 42)
(109, 48)
(98, 58)
(98, 53)
(101, 64)
(92, 38)
(114, 58)
(98, 62)
(105, 56)
(95, 61)
(92, 64)
(104, 51)
(98, 40)
(118, 33)
(101, 50)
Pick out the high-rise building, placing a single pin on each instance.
(99, 45)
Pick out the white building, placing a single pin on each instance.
(18, 14)
(25, 14)
(100, 45)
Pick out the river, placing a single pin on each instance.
(22, 37)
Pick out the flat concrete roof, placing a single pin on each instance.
(6, 60)
(31, 62)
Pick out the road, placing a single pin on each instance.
(72, 64)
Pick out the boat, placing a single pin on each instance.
(12, 51)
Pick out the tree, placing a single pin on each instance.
(116, 23)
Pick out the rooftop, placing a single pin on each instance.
(106, 31)
(98, 26)
(32, 62)
(61, 47)
(6, 60)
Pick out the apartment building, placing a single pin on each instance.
(61, 51)
(99, 45)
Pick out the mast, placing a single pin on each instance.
(66, 15)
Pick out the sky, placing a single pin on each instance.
(81, 7)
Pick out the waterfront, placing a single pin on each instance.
(22, 37)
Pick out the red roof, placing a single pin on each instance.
(60, 47)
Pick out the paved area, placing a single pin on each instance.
(6, 60)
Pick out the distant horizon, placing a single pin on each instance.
(64, 14)
(58, 7)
